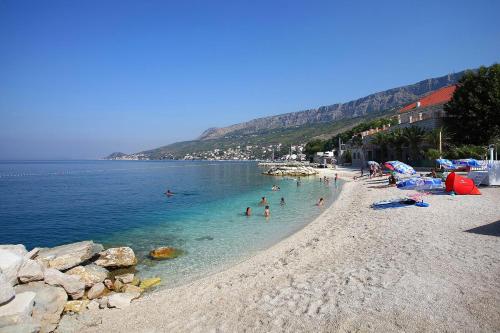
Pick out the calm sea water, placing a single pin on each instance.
(121, 203)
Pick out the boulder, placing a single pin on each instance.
(149, 283)
(118, 285)
(121, 300)
(165, 252)
(125, 278)
(67, 256)
(93, 305)
(18, 249)
(76, 306)
(49, 303)
(90, 274)
(31, 254)
(30, 270)
(10, 262)
(7, 292)
(117, 257)
(18, 310)
(103, 302)
(96, 291)
(71, 283)
(109, 284)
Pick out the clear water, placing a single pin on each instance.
(121, 203)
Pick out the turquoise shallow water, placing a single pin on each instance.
(121, 203)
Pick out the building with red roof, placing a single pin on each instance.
(440, 96)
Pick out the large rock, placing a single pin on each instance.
(121, 300)
(165, 252)
(125, 278)
(49, 304)
(18, 310)
(96, 291)
(67, 256)
(90, 274)
(30, 270)
(117, 257)
(10, 262)
(18, 249)
(71, 283)
(6, 291)
(76, 306)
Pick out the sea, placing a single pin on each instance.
(122, 203)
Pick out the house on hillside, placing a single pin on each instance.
(427, 113)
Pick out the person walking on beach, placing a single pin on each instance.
(267, 213)
(282, 202)
(263, 201)
(248, 212)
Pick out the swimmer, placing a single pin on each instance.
(267, 213)
(248, 212)
(168, 193)
(263, 201)
(282, 202)
(320, 202)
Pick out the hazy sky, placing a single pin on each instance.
(81, 79)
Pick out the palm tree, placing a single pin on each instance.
(381, 139)
(432, 138)
(397, 140)
(414, 136)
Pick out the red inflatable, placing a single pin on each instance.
(461, 185)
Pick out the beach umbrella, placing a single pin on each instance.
(467, 162)
(447, 164)
(400, 167)
(420, 183)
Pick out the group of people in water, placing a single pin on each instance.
(265, 203)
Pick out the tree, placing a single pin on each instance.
(473, 114)
(414, 136)
(381, 139)
(312, 147)
(397, 140)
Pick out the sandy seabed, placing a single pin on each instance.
(406, 269)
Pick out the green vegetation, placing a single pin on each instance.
(285, 136)
(473, 114)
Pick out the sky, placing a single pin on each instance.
(81, 79)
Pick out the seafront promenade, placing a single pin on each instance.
(352, 269)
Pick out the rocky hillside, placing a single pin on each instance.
(373, 103)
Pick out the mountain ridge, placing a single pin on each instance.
(375, 102)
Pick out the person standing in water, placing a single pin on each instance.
(320, 202)
(248, 212)
(336, 177)
(267, 213)
(263, 201)
(282, 202)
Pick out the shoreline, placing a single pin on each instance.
(341, 272)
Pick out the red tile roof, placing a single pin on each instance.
(439, 96)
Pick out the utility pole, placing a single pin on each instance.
(440, 143)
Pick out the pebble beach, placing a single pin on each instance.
(352, 269)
